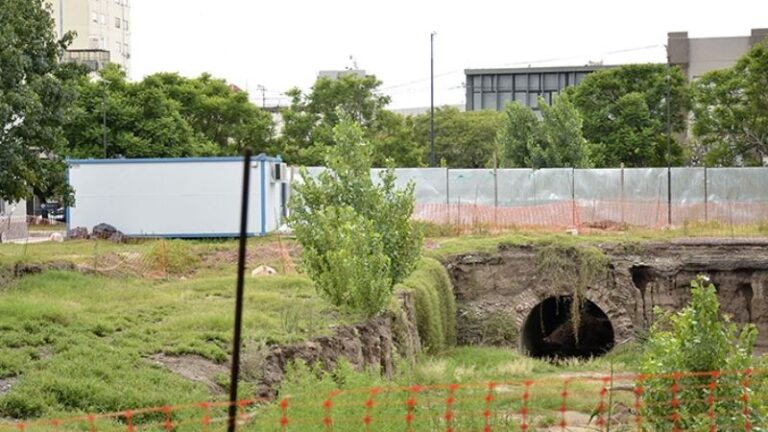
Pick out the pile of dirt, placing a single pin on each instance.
(194, 368)
(281, 256)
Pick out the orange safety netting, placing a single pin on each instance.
(677, 401)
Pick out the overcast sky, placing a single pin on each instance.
(284, 43)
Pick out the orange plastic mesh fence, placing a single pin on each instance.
(677, 401)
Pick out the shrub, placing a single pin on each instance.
(697, 339)
(357, 236)
(435, 305)
(352, 269)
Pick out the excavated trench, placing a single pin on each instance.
(548, 331)
(505, 293)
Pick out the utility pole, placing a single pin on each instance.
(669, 149)
(263, 90)
(432, 160)
(104, 116)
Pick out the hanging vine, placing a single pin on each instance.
(572, 266)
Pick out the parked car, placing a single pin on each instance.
(53, 211)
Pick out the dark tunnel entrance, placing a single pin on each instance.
(548, 330)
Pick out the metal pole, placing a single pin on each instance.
(239, 294)
(432, 159)
(622, 192)
(669, 154)
(104, 118)
(448, 194)
(706, 196)
(573, 196)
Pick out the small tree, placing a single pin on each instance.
(357, 236)
(697, 339)
(554, 141)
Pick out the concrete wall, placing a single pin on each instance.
(13, 220)
(715, 53)
(196, 197)
(697, 56)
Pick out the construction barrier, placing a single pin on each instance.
(677, 401)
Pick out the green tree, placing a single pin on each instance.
(624, 110)
(393, 140)
(731, 112)
(165, 115)
(554, 141)
(142, 121)
(357, 235)
(311, 117)
(34, 100)
(517, 135)
(218, 114)
(697, 339)
(462, 139)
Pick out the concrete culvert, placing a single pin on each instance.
(548, 330)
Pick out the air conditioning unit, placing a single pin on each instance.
(279, 172)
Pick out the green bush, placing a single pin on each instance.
(352, 270)
(698, 339)
(355, 260)
(435, 304)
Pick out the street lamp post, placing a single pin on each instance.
(104, 116)
(432, 160)
(98, 79)
(669, 149)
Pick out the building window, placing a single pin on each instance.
(103, 19)
(125, 25)
(534, 82)
(489, 101)
(487, 83)
(505, 82)
(93, 42)
(118, 22)
(521, 82)
(533, 100)
(520, 97)
(505, 99)
(126, 51)
(94, 17)
(550, 82)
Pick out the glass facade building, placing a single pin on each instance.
(494, 88)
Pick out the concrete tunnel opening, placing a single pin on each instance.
(548, 330)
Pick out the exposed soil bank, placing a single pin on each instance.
(498, 292)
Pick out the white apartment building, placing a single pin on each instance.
(102, 26)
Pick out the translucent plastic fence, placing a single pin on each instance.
(678, 401)
(567, 197)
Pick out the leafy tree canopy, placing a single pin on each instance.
(357, 235)
(553, 141)
(624, 110)
(462, 139)
(731, 112)
(165, 115)
(309, 121)
(34, 100)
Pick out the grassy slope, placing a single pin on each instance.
(78, 342)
